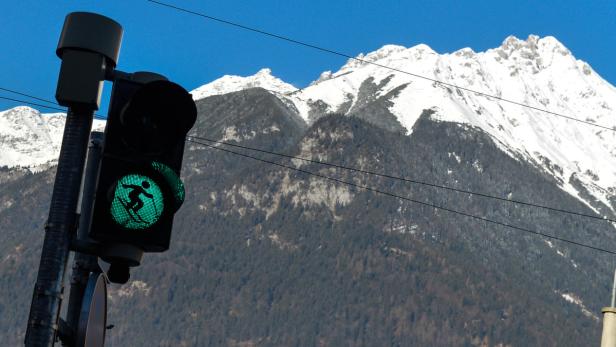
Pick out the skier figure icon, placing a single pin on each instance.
(135, 203)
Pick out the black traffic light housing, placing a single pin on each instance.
(139, 189)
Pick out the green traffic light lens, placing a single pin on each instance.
(137, 202)
(174, 182)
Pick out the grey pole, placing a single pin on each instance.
(89, 47)
(608, 336)
(49, 288)
(613, 302)
(83, 263)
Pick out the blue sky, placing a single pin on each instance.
(193, 51)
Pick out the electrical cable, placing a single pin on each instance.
(514, 227)
(409, 180)
(96, 116)
(33, 104)
(28, 95)
(363, 61)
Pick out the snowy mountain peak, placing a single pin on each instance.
(539, 71)
(465, 52)
(511, 42)
(387, 53)
(264, 73)
(231, 83)
(533, 47)
(422, 48)
(325, 75)
(30, 139)
(384, 52)
(20, 110)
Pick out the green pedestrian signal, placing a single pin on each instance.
(139, 189)
(137, 202)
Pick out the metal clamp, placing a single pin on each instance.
(72, 228)
(40, 291)
(40, 323)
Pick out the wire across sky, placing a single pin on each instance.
(408, 180)
(382, 192)
(364, 61)
(54, 107)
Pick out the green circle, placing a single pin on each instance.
(137, 202)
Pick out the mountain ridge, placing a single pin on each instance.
(266, 256)
(540, 72)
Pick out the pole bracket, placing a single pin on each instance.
(41, 291)
(72, 228)
(85, 247)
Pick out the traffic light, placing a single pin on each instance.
(139, 189)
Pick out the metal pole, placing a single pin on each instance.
(83, 263)
(89, 47)
(48, 291)
(608, 336)
(614, 291)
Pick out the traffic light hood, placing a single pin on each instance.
(157, 116)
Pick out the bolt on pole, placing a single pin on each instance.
(88, 47)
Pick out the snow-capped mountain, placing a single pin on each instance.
(30, 139)
(229, 83)
(331, 258)
(539, 72)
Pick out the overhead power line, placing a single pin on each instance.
(28, 95)
(409, 180)
(96, 115)
(33, 104)
(348, 56)
(378, 191)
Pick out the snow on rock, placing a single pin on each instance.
(230, 83)
(575, 300)
(281, 243)
(128, 291)
(30, 139)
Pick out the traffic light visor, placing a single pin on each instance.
(157, 116)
